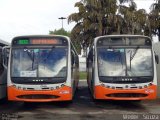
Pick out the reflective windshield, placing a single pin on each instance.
(139, 62)
(50, 62)
(111, 62)
(125, 62)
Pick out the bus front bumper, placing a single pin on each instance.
(101, 92)
(60, 94)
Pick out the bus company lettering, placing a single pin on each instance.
(38, 80)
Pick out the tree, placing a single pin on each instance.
(66, 33)
(134, 20)
(154, 19)
(91, 20)
(105, 17)
(60, 32)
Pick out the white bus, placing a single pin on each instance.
(42, 68)
(122, 67)
(3, 71)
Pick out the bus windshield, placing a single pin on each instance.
(39, 62)
(131, 62)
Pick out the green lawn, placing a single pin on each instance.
(82, 75)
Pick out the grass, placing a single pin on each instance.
(82, 75)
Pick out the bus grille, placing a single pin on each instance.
(126, 95)
(38, 96)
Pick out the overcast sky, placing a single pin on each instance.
(25, 17)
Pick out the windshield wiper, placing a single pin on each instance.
(132, 56)
(28, 53)
(32, 57)
(49, 53)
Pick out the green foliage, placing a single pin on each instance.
(82, 75)
(154, 19)
(105, 17)
(60, 32)
(66, 33)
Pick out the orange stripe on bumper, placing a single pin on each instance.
(101, 92)
(13, 94)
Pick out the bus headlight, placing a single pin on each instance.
(113, 87)
(102, 85)
(107, 86)
(150, 84)
(24, 88)
(126, 86)
(52, 88)
(145, 86)
(57, 87)
(19, 87)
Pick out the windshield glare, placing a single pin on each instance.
(139, 62)
(50, 62)
(125, 62)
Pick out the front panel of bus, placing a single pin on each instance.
(38, 69)
(125, 68)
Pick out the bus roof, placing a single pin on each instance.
(35, 36)
(43, 36)
(4, 43)
(122, 35)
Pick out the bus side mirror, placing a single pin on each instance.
(157, 59)
(91, 56)
(77, 60)
(5, 55)
(72, 57)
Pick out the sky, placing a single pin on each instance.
(29, 17)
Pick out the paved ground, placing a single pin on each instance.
(82, 108)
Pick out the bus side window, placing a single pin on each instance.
(157, 59)
(5, 52)
(1, 62)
